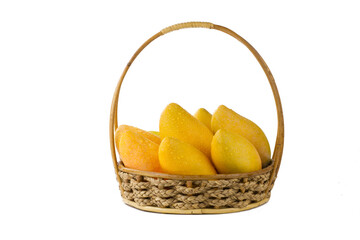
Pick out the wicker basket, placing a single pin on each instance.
(221, 193)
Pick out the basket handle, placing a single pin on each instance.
(279, 144)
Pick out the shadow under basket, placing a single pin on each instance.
(185, 194)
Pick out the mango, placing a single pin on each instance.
(139, 152)
(178, 157)
(225, 118)
(178, 123)
(122, 128)
(233, 153)
(203, 116)
(155, 133)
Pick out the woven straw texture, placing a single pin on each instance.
(196, 194)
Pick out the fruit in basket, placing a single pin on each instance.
(122, 128)
(155, 133)
(233, 153)
(203, 116)
(178, 123)
(185, 144)
(138, 152)
(178, 157)
(225, 118)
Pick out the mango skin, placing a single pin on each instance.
(203, 116)
(225, 118)
(122, 128)
(178, 157)
(233, 153)
(178, 123)
(155, 133)
(138, 152)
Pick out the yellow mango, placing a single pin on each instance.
(122, 128)
(203, 116)
(233, 153)
(138, 152)
(225, 118)
(178, 157)
(155, 133)
(178, 123)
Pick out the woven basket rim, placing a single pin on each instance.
(122, 168)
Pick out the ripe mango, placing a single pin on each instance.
(233, 153)
(225, 118)
(178, 157)
(139, 152)
(122, 128)
(203, 116)
(178, 123)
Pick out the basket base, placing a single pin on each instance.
(195, 211)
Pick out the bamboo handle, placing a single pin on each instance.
(187, 25)
(279, 144)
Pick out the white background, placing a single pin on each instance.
(59, 65)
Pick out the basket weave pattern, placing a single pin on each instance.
(184, 194)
